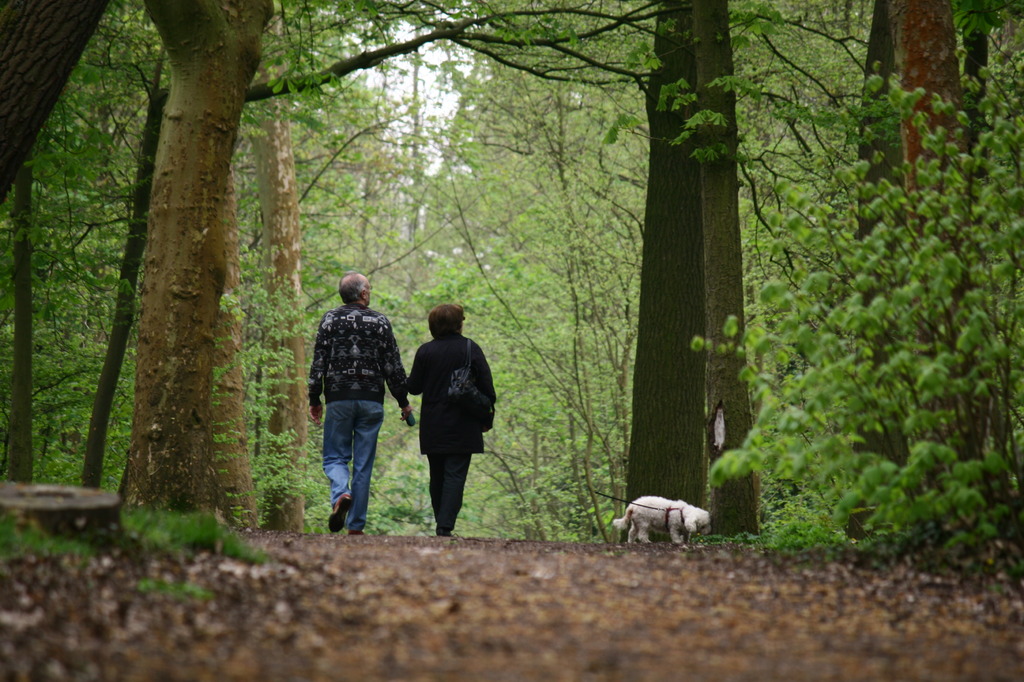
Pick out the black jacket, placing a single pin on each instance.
(444, 428)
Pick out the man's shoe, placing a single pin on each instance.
(356, 532)
(336, 521)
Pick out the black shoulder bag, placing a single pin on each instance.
(464, 393)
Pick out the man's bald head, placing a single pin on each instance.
(354, 287)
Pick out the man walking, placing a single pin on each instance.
(354, 355)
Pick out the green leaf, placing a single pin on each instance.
(731, 327)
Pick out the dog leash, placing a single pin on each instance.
(619, 499)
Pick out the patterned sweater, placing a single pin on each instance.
(354, 354)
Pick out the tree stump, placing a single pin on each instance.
(61, 510)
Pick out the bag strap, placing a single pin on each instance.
(469, 349)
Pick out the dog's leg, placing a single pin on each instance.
(642, 526)
(689, 528)
(678, 529)
(629, 523)
(677, 537)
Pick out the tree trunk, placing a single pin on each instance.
(884, 155)
(20, 455)
(231, 452)
(734, 504)
(925, 45)
(975, 63)
(282, 237)
(40, 42)
(666, 448)
(213, 49)
(877, 146)
(124, 307)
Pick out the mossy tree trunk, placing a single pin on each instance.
(734, 504)
(213, 49)
(19, 451)
(282, 239)
(666, 454)
(231, 445)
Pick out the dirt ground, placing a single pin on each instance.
(405, 608)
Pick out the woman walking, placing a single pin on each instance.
(448, 435)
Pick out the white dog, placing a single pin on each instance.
(675, 517)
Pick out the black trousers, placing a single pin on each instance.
(447, 482)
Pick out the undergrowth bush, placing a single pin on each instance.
(891, 368)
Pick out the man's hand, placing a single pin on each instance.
(316, 412)
(406, 411)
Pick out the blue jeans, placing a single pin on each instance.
(350, 437)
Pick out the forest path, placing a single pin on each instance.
(411, 608)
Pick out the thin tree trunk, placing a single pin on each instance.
(417, 212)
(40, 43)
(877, 147)
(975, 63)
(20, 445)
(734, 503)
(884, 155)
(231, 452)
(213, 49)
(124, 307)
(666, 454)
(287, 424)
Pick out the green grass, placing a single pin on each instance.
(15, 542)
(788, 538)
(180, 591)
(143, 531)
(166, 532)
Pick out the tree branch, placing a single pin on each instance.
(363, 60)
(506, 34)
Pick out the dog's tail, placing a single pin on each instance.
(623, 523)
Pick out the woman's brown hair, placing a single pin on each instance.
(445, 319)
